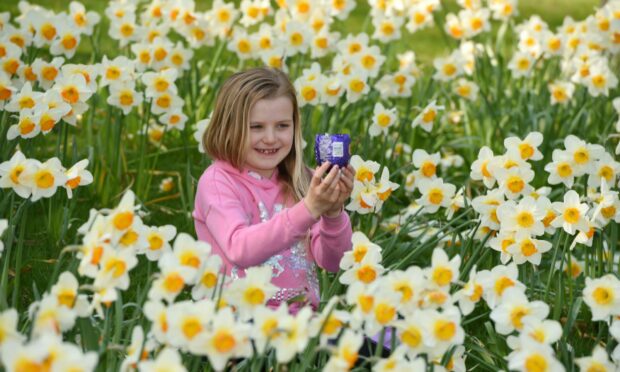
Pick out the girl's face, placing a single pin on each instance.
(271, 134)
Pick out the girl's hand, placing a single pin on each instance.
(345, 186)
(323, 193)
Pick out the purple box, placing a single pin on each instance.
(333, 148)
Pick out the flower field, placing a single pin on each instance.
(485, 207)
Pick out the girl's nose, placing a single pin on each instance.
(270, 136)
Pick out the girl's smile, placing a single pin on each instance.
(271, 134)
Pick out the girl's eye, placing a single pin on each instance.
(255, 126)
(284, 125)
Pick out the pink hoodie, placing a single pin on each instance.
(242, 216)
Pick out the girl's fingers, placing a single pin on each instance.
(318, 173)
(348, 182)
(331, 176)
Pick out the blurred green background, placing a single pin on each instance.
(426, 43)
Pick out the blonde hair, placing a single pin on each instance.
(227, 135)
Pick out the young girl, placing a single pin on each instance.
(258, 203)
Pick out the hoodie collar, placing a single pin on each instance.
(249, 175)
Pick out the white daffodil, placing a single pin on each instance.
(443, 271)
(525, 216)
(251, 291)
(382, 119)
(435, 194)
(571, 213)
(602, 295)
(426, 118)
(526, 248)
(77, 175)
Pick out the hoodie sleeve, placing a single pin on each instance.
(243, 243)
(331, 237)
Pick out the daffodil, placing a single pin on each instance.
(508, 316)
(598, 360)
(165, 102)
(426, 118)
(361, 246)
(470, 294)
(66, 292)
(515, 181)
(158, 239)
(366, 271)
(328, 324)
(409, 284)
(384, 309)
(521, 64)
(76, 176)
(190, 252)
(45, 28)
(526, 248)
(353, 44)
(47, 72)
(115, 267)
(496, 281)
(534, 357)
(605, 168)
(480, 167)
(221, 17)
(571, 213)
(253, 11)
(295, 335)
(25, 99)
(382, 119)
(251, 291)
(387, 28)
(527, 148)
(171, 280)
(454, 27)
(443, 271)
(504, 9)
(601, 80)
(67, 40)
(435, 194)
(356, 85)
(442, 330)
(241, 44)
(448, 68)
(426, 163)
(125, 29)
(124, 96)
(266, 325)
(49, 316)
(82, 20)
(8, 329)
(602, 295)
(419, 17)
(524, 216)
(27, 125)
(561, 92)
(157, 313)
(545, 332)
(208, 278)
(582, 154)
(43, 178)
(331, 88)
(561, 169)
(167, 360)
(160, 82)
(345, 354)
(501, 242)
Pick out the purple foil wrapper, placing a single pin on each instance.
(333, 148)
